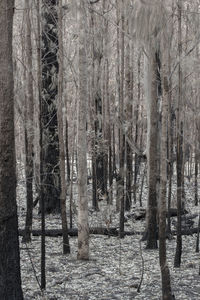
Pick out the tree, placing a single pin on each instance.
(66, 247)
(165, 274)
(10, 280)
(50, 67)
(179, 143)
(83, 227)
(149, 33)
(29, 128)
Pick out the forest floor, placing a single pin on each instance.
(115, 267)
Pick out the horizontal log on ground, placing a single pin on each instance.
(188, 231)
(102, 231)
(173, 212)
(113, 231)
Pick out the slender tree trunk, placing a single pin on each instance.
(137, 159)
(121, 133)
(93, 117)
(41, 190)
(10, 280)
(196, 177)
(129, 108)
(29, 131)
(179, 138)
(66, 247)
(67, 149)
(165, 274)
(71, 183)
(170, 146)
(83, 227)
(118, 92)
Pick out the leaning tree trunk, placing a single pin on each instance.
(83, 227)
(10, 280)
(51, 176)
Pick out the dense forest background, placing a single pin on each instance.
(100, 149)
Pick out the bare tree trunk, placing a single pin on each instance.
(10, 279)
(83, 227)
(179, 130)
(118, 98)
(51, 178)
(29, 128)
(67, 149)
(66, 247)
(166, 285)
(121, 133)
(170, 146)
(41, 190)
(137, 159)
(152, 153)
(129, 108)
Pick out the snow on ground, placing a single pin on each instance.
(115, 266)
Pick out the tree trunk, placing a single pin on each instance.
(51, 179)
(10, 280)
(121, 132)
(29, 131)
(41, 190)
(166, 285)
(137, 159)
(66, 247)
(179, 139)
(83, 227)
(152, 152)
(129, 108)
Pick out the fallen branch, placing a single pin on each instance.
(113, 231)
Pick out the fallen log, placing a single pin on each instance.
(172, 212)
(72, 232)
(113, 231)
(188, 231)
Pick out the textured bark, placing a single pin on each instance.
(137, 159)
(128, 110)
(66, 246)
(83, 227)
(41, 154)
(179, 143)
(152, 153)
(166, 285)
(29, 131)
(10, 280)
(97, 57)
(51, 178)
(121, 133)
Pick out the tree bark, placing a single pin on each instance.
(66, 246)
(152, 152)
(29, 131)
(121, 132)
(51, 177)
(179, 139)
(83, 227)
(165, 274)
(10, 280)
(129, 108)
